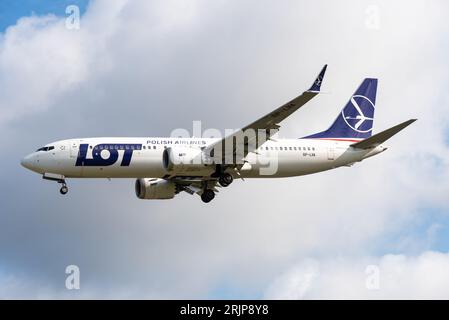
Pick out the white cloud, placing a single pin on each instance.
(39, 61)
(387, 277)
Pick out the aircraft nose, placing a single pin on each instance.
(27, 162)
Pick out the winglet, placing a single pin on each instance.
(318, 81)
(381, 137)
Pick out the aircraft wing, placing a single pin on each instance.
(269, 123)
(194, 185)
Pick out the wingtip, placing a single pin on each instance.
(323, 71)
(318, 80)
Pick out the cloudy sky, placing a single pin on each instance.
(143, 68)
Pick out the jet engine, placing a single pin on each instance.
(153, 188)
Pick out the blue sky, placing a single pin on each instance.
(428, 231)
(12, 10)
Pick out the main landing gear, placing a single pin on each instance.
(208, 195)
(225, 179)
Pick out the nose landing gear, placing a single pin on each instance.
(59, 179)
(64, 189)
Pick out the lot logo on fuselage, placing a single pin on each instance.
(358, 115)
(106, 154)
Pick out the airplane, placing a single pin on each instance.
(164, 167)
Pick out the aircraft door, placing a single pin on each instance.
(74, 148)
(331, 153)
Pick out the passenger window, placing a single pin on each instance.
(266, 148)
(290, 148)
(294, 148)
(154, 147)
(308, 148)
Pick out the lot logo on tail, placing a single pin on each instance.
(358, 115)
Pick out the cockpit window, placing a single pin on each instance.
(45, 148)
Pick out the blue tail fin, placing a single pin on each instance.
(357, 117)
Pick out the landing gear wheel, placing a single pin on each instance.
(64, 189)
(207, 195)
(225, 179)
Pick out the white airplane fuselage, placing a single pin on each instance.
(144, 157)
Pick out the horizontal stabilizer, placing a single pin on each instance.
(381, 137)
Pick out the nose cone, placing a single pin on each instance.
(28, 162)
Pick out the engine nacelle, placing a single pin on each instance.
(185, 160)
(153, 188)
